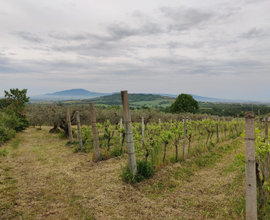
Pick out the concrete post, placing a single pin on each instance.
(251, 191)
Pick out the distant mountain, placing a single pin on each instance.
(71, 94)
(76, 94)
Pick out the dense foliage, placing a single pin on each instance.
(232, 109)
(184, 103)
(12, 114)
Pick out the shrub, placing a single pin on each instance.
(6, 134)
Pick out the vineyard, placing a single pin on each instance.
(78, 163)
(160, 143)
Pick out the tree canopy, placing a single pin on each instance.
(184, 103)
(17, 98)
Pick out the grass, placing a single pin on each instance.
(47, 180)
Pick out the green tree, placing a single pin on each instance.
(17, 98)
(184, 103)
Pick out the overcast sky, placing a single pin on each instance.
(209, 48)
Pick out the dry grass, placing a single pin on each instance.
(43, 179)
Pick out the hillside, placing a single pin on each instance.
(134, 99)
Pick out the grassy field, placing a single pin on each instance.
(41, 178)
(154, 102)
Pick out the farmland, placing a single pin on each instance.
(43, 178)
(188, 166)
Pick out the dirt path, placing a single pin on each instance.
(43, 179)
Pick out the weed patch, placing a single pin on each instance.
(144, 171)
(4, 152)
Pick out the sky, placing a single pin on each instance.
(209, 48)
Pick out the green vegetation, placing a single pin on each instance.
(232, 109)
(184, 103)
(163, 103)
(12, 114)
(144, 171)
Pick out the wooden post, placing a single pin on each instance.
(79, 130)
(129, 135)
(94, 130)
(267, 156)
(237, 124)
(251, 191)
(69, 127)
(184, 140)
(224, 127)
(159, 123)
(259, 120)
(143, 128)
(217, 129)
(121, 125)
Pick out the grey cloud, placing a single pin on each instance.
(255, 33)
(96, 49)
(175, 45)
(31, 37)
(68, 37)
(185, 18)
(119, 31)
(8, 65)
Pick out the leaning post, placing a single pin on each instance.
(69, 127)
(129, 134)
(94, 130)
(251, 191)
(79, 129)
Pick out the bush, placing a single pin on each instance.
(145, 170)
(6, 134)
